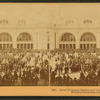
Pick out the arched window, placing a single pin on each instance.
(24, 37)
(69, 22)
(68, 37)
(4, 21)
(5, 41)
(21, 22)
(87, 21)
(88, 40)
(88, 37)
(67, 41)
(24, 41)
(5, 37)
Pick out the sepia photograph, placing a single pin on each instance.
(24, 45)
(75, 45)
(49, 49)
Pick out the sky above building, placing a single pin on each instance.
(33, 13)
(77, 11)
(43, 13)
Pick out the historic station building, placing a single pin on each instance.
(24, 36)
(24, 26)
(81, 33)
(72, 34)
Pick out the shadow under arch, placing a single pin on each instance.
(24, 36)
(66, 36)
(88, 36)
(5, 37)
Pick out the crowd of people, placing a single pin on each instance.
(75, 68)
(67, 67)
(24, 67)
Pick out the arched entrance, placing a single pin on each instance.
(67, 41)
(87, 41)
(24, 41)
(5, 41)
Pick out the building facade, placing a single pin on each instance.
(23, 35)
(72, 34)
(75, 34)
